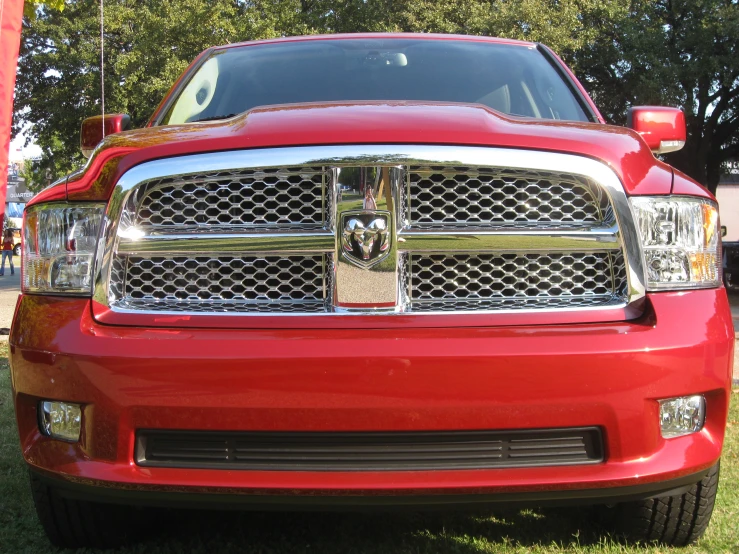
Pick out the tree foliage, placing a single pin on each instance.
(676, 53)
(671, 52)
(31, 7)
(146, 46)
(34, 177)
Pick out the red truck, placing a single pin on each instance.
(360, 270)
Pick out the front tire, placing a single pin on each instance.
(677, 520)
(71, 523)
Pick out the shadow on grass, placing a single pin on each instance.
(325, 532)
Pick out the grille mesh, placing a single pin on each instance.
(441, 196)
(490, 281)
(225, 283)
(265, 197)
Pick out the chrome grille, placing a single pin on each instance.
(488, 281)
(445, 195)
(270, 197)
(224, 283)
(492, 231)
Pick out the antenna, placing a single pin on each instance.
(102, 68)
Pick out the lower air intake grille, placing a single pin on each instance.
(401, 451)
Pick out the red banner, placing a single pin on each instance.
(11, 15)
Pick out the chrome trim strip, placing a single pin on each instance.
(480, 240)
(381, 156)
(366, 259)
(244, 243)
(460, 240)
(621, 311)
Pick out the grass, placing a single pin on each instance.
(545, 531)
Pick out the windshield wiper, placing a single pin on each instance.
(214, 117)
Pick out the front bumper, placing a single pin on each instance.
(608, 375)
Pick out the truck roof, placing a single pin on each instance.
(346, 36)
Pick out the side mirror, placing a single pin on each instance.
(663, 129)
(92, 132)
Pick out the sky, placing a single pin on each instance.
(19, 152)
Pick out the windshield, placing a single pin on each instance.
(513, 79)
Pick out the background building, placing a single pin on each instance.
(727, 194)
(17, 195)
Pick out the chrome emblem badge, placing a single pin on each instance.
(365, 238)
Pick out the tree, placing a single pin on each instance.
(677, 53)
(670, 52)
(34, 176)
(147, 45)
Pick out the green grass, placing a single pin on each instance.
(537, 531)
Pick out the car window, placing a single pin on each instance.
(512, 79)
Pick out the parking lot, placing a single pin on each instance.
(10, 286)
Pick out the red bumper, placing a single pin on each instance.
(608, 375)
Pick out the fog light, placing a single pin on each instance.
(60, 420)
(682, 416)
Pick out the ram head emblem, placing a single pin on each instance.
(365, 237)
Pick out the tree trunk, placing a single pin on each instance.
(714, 170)
(695, 158)
(689, 161)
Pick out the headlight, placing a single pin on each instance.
(680, 239)
(59, 243)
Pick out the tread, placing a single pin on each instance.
(71, 523)
(677, 520)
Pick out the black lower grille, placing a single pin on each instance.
(369, 451)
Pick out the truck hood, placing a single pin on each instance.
(373, 123)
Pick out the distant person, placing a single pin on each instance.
(7, 251)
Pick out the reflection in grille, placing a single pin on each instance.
(482, 196)
(225, 283)
(498, 281)
(263, 197)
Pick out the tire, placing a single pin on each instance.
(677, 520)
(71, 523)
(17, 250)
